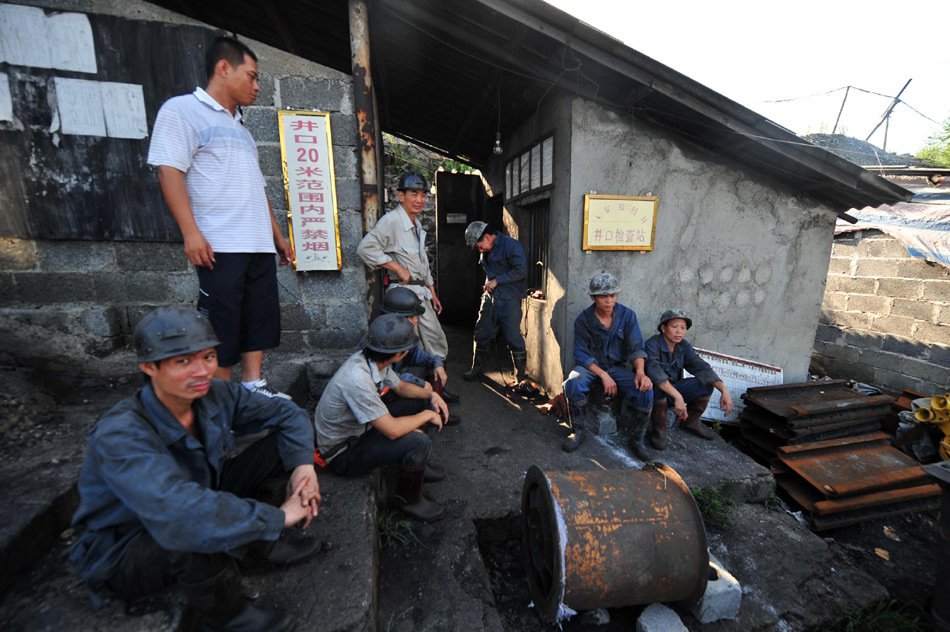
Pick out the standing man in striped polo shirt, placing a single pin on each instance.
(212, 183)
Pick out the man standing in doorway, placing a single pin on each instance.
(212, 183)
(505, 266)
(398, 244)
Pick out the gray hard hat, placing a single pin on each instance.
(670, 314)
(403, 301)
(412, 181)
(474, 232)
(171, 331)
(390, 333)
(604, 283)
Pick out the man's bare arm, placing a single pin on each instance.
(175, 193)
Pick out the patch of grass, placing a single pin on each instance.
(714, 505)
(772, 502)
(395, 618)
(717, 427)
(883, 616)
(393, 528)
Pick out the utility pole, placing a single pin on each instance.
(840, 110)
(887, 114)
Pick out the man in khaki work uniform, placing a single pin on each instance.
(398, 244)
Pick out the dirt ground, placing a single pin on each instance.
(899, 551)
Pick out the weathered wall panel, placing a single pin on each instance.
(111, 250)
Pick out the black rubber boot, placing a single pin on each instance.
(638, 432)
(280, 552)
(409, 498)
(220, 604)
(659, 432)
(695, 410)
(433, 474)
(579, 419)
(519, 360)
(478, 358)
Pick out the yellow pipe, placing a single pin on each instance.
(925, 415)
(940, 402)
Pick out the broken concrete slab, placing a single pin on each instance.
(723, 595)
(336, 590)
(658, 618)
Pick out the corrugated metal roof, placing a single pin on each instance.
(440, 65)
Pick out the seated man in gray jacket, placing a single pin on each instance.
(160, 503)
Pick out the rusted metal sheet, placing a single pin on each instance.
(849, 480)
(844, 519)
(812, 398)
(780, 428)
(611, 538)
(806, 412)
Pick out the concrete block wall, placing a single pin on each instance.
(885, 317)
(79, 300)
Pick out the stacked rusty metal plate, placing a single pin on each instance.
(791, 414)
(840, 482)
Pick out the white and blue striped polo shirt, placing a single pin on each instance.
(197, 136)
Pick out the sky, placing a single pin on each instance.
(791, 61)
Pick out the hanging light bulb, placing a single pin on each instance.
(497, 150)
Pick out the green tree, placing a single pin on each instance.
(937, 151)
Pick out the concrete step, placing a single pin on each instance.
(335, 591)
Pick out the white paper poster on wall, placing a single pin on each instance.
(71, 46)
(100, 108)
(738, 375)
(6, 102)
(23, 36)
(28, 37)
(79, 103)
(124, 109)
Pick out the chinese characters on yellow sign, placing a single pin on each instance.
(307, 159)
(619, 222)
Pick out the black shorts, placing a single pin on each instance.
(239, 297)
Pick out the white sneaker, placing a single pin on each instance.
(260, 386)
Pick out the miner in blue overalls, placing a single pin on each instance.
(506, 268)
(608, 347)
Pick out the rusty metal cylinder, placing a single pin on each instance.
(613, 538)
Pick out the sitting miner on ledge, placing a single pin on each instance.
(367, 417)
(161, 503)
(608, 346)
(668, 354)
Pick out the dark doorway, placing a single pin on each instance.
(460, 199)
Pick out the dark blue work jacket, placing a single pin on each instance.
(620, 344)
(506, 263)
(663, 364)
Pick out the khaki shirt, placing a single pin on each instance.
(351, 401)
(392, 239)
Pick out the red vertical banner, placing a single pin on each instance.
(306, 152)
